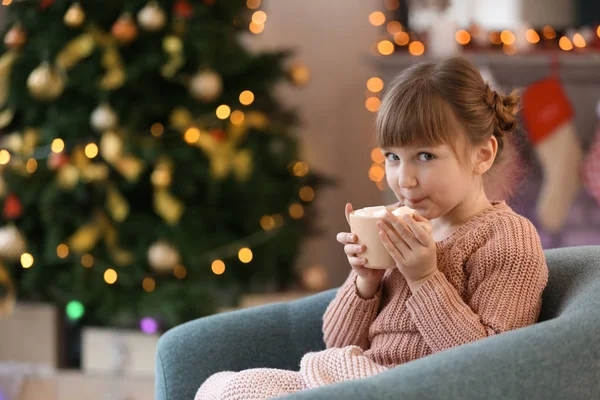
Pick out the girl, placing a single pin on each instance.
(466, 267)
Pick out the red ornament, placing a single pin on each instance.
(218, 134)
(45, 4)
(57, 160)
(183, 9)
(15, 38)
(12, 207)
(124, 30)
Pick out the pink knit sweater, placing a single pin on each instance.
(491, 276)
(492, 273)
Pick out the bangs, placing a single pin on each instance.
(414, 114)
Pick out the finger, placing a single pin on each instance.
(353, 249)
(357, 262)
(346, 237)
(424, 222)
(348, 210)
(389, 246)
(419, 231)
(402, 230)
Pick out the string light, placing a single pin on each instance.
(91, 150)
(579, 40)
(376, 173)
(532, 36)
(375, 84)
(296, 211)
(245, 255)
(31, 165)
(267, 222)
(307, 194)
(463, 37)
(246, 97)
(6, 2)
(495, 38)
(377, 18)
(218, 267)
(393, 27)
(223, 111)
(148, 284)
(377, 156)
(87, 260)
(180, 271)
(391, 4)
(509, 49)
(300, 169)
(75, 310)
(385, 47)
(278, 220)
(256, 28)
(26, 260)
(237, 117)
(598, 31)
(58, 145)
(191, 135)
(157, 129)
(565, 43)
(401, 38)
(372, 104)
(62, 250)
(548, 32)
(507, 37)
(416, 48)
(4, 157)
(253, 4)
(110, 276)
(259, 17)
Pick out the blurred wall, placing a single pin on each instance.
(332, 38)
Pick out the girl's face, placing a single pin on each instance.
(431, 180)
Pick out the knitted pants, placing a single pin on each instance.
(316, 369)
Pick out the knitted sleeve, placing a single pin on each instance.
(506, 278)
(348, 317)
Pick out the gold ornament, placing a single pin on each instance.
(117, 205)
(162, 175)
(9, 298)
(85, 238)
(68, 176)
(45, 83)
(163, 257)
(16, 37)
(12, 243)
(75, 16)
(173, 46)
(152, 17)
(12, 142)
(6, 117)
(6, 62)
(181, 118)
(104, 118)
(111, 146)
(124, 30)
(206, 86)
(76, 50)
(167, 206)
(315, 278)
(130, 167)
(299, 74)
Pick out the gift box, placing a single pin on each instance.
(118, 351)
(30, 334)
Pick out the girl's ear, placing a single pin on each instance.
(485, 156)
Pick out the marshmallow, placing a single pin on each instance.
(379, 211)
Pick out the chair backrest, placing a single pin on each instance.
(574, 281)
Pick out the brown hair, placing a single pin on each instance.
(429, 102)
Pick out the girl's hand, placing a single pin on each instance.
(409, 242)
(370, 277)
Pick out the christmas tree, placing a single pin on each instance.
(148, 173)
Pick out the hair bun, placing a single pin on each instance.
(505, 109)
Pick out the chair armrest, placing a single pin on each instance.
(270, 336)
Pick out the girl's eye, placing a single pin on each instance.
(391, 157)
(425, 156)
